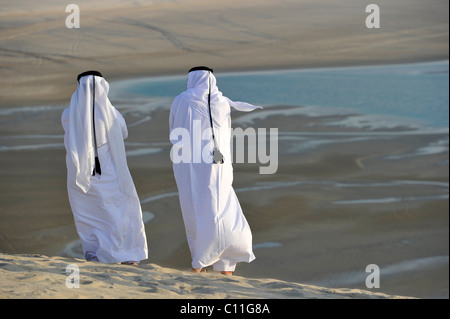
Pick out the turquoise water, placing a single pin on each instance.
(417, 91)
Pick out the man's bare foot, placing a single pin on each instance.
(226, 273)
(199, 270)
(130, 263)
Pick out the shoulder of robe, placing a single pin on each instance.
(65, 114)
(177, 99)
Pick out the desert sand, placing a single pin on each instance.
(39, 276)
(311, 224)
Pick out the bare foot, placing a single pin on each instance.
(130, 263)
(226, 273)
(199, 270)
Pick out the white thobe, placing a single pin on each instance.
(106, 207)
(217, 232)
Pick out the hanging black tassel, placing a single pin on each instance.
(97, 168)
(217, 155)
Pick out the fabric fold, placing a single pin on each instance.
(106, 207)
(216, 229)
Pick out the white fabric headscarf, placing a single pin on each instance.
(195, 98)
(198, 87)
(107, 130)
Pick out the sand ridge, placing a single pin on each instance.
(42, 277)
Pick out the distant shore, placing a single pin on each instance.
(40, 57)
(342, 198)
(41, 277)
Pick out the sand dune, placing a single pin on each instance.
(39, 276)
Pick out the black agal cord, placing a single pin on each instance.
(97, 168)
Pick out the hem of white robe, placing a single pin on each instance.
(126, 258)
(218, 266)
(224, 265)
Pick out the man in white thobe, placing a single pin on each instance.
(102, 195)
(217, 232)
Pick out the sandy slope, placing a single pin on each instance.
(39, 276)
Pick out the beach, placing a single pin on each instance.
(349, 190)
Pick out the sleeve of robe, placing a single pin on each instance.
(122, 123)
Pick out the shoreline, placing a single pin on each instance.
(268, 70)
(142, 75)
(41, 57)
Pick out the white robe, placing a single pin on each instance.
(217, 232)
(106, 207)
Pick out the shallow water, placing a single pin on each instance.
(417, 91)
(333, 125)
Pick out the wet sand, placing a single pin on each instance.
(329, 211)
(40, 57)
(38, 276)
